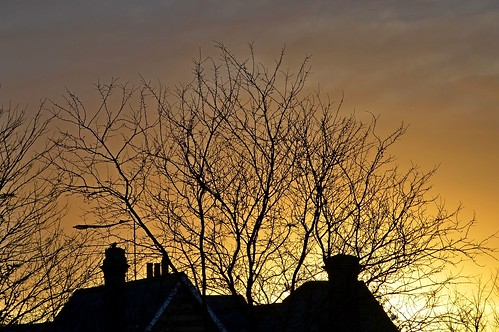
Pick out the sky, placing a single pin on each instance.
(433, 65)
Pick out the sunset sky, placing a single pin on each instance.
(431, 64)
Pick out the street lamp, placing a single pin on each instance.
(84, 226)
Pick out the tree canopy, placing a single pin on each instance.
(246, 178)
(249, 179)
(40, 265)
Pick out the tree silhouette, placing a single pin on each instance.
(249, 180)
(475, 310)
(39, 265)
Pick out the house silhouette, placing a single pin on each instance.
(169, 302)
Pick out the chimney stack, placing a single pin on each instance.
(156, 270)
(343, 271)
(114, 266)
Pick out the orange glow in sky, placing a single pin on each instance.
(431, 64)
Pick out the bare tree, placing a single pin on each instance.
(248, 181)
(356, 200)
(37, 269)
(474, 310)
(227, 149)
(101, 154)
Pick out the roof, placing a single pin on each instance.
(320, 306)
(170, 302)
(136, 306)
(232, 311)
(37, 327)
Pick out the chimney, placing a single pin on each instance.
(149, 267)
(114, 266)
(157, 270)
(164, 265)
(342, 270)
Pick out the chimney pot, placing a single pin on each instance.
(149, 270)
(164, 266)
(114, 266)
(157, 270)
(342, 269)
